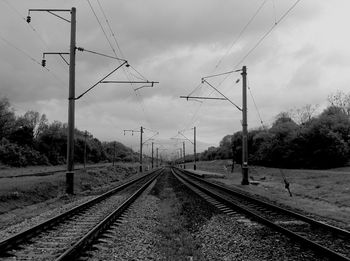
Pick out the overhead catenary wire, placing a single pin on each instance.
(250, 51)
(241, 33)
(30, 57)
(24, 19)
(256, 107)
(126, 71)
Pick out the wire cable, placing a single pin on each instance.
(241, 33)
(127, 73)
(267, 33)
(256, 107)
(30, 57)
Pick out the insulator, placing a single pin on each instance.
(28, 19)
(43, 63)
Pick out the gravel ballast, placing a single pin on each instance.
(170, 223)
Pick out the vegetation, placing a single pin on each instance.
(296, 139)
(30, 139)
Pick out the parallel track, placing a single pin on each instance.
(326, 239)
(65, 236)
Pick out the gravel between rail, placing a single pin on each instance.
(170, 223)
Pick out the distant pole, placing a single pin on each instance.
(157, 158)
(114, 145)
(245, 180)
(183, 149)
(194, 146)
(152, 155)
(71, 106)
(180, 157)
(85, 136)
(141, 131)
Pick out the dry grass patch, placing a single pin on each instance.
(325, 193)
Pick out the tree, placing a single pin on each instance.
(341, 100)
(304, 114)
(7, 118)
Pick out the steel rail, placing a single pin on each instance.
(94, 233)
(317, 247)
(15, 240)
(275, 207)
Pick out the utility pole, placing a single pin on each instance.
(71, 107)
(183, 149)
(245, 180)
(71, 96)
(152, 155)
(114, 145)
(141, 131)
(157, 157)
(85, 136)
(194, 146)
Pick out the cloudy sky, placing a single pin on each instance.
(301, 61)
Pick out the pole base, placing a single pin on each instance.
(70, 183)
(245, 180)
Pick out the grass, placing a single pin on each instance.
(20, 193)
(325, 193)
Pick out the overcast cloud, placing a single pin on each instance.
(302, 61)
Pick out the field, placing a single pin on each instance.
(324, 193)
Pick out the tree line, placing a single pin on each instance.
(296, 139)
(30, 139)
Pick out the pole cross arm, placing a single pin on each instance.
(132, 131)
(151, 138)
(146, 82)
(51, 11)
(185, 137)
(205, 81)
(219, 74)
(43, 62)
(202, 98)
(100, 81)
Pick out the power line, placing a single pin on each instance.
(276, 23)
(30, 57)
(110, 29)
(23, 18)
(127, 72)
(256, 107)
(267, 33)
(241, 33)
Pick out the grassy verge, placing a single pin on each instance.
(325, 193)
(19, 195)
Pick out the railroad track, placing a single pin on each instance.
(67, 235)
(325, 239)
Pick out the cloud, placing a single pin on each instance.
(176, 43)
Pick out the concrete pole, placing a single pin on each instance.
(152, 155)
(183, 149)
(245, 180)
(114, 145)
(194, 148)
(85, 136)
(141, 131)
(71, 107)
(157, 158)
(180, 157)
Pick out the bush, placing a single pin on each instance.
(17, 156)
